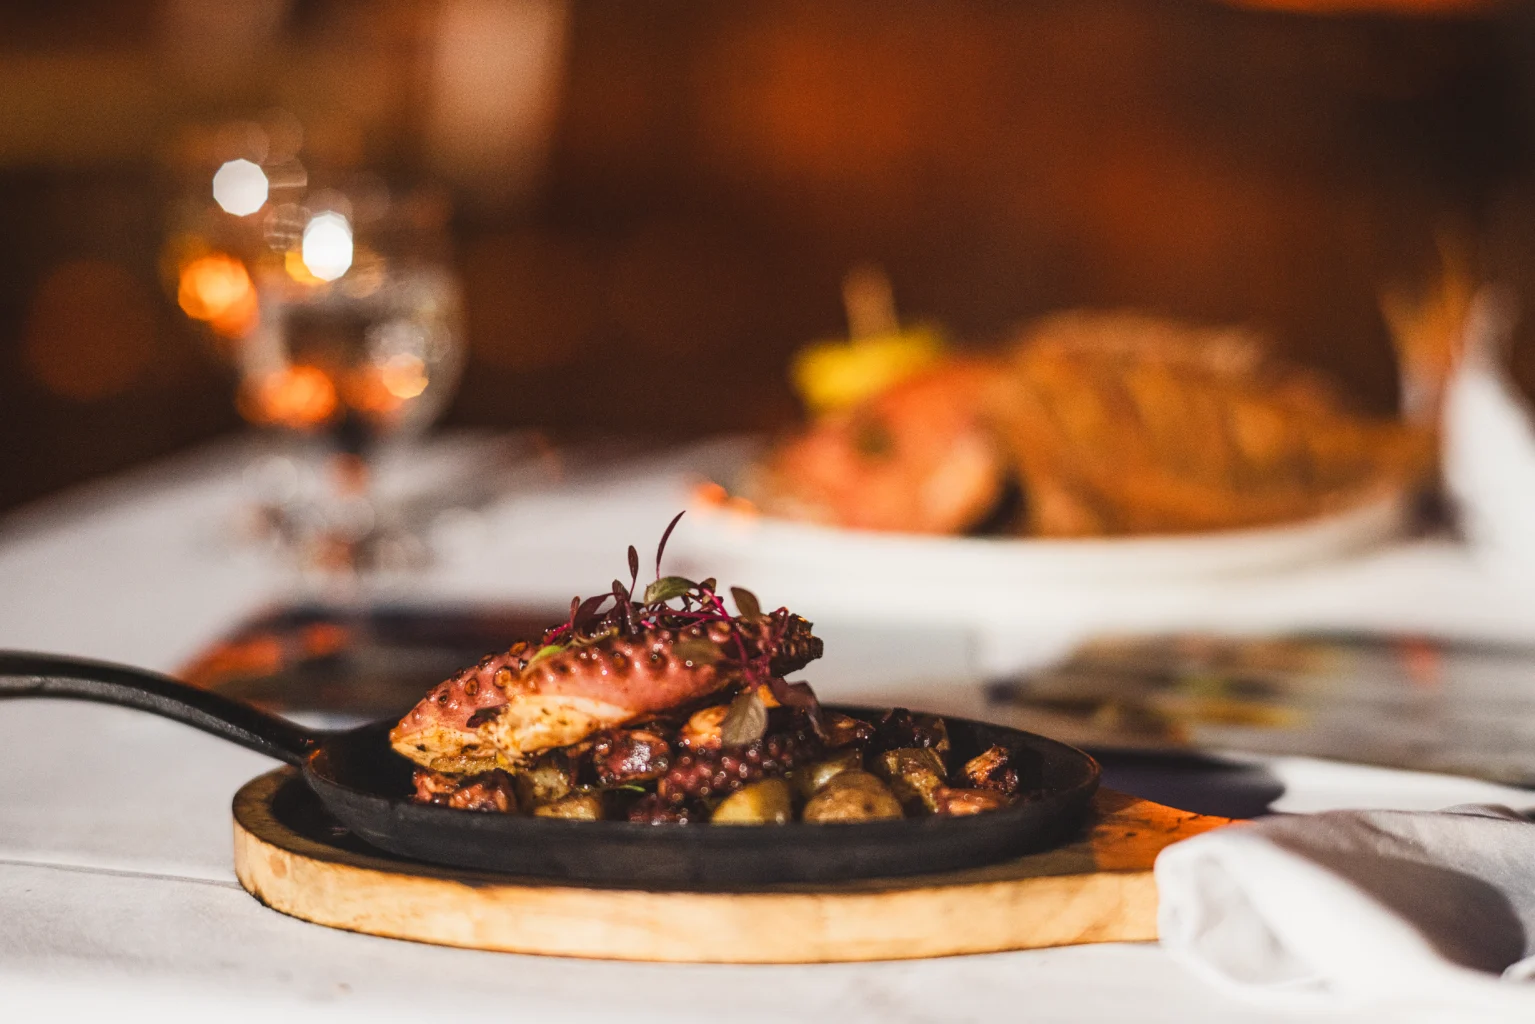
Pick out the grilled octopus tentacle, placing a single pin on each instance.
(514, 705)
(441, 732)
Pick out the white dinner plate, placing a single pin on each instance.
(836, 569)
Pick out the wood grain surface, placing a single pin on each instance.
(1098, 888)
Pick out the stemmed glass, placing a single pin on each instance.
(342, 315)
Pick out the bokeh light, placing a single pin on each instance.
(327, 246)
(404, 375)
(240, 187)
(298, 397)
(293, 264)
(218, 289)
(90, 331)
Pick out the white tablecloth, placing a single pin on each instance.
(116, 889)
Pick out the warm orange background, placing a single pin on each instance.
(713, 169)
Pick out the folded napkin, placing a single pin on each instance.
(1428, 909)
(1487, 440)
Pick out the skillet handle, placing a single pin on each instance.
(23, 674)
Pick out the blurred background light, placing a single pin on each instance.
(297, 397)
(240, 187)
(218, 289)
(404, 375)
(327, 246)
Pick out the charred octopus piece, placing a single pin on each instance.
(845, 731)
(442, 731)
(487, 791)
(559, 699)
(468, 724)
(616, 661)
(994, 768)
(653, 810)
(706, 768)
(955, 803)
(900, 728)
(623, 757)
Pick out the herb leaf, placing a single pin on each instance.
(698, 650)
(546, 651)
(661, 547)
(588, 610)
(746, 603)
(666, 588)
(746, 721)
(625, 606)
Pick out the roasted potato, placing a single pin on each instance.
(761, 803)
(809, 779)
(550, 778)
(576, 806)
(852, 796)
(914, 774)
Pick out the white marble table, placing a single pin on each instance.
(117, 895)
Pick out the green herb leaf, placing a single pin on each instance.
(746, 720)
(546, 651)
(666, 588)
(746, 603)
(699, 650)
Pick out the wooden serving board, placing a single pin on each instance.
(1098, 888)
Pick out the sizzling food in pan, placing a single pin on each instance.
(662, 707)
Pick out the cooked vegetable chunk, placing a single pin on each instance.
(852, 796)
(761, 803)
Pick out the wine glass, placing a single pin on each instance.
(341, 312)
(357, 341)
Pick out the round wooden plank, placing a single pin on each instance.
(1097, 889)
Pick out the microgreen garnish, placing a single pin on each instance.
(746, 721)
(548, 650)
(666, 536)
(746, 603)
(746, 644)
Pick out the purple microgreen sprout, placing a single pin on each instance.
(666, 536)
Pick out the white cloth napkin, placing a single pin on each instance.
(1426, 908)
(1488, 442)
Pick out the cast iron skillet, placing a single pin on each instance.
(365, 785)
